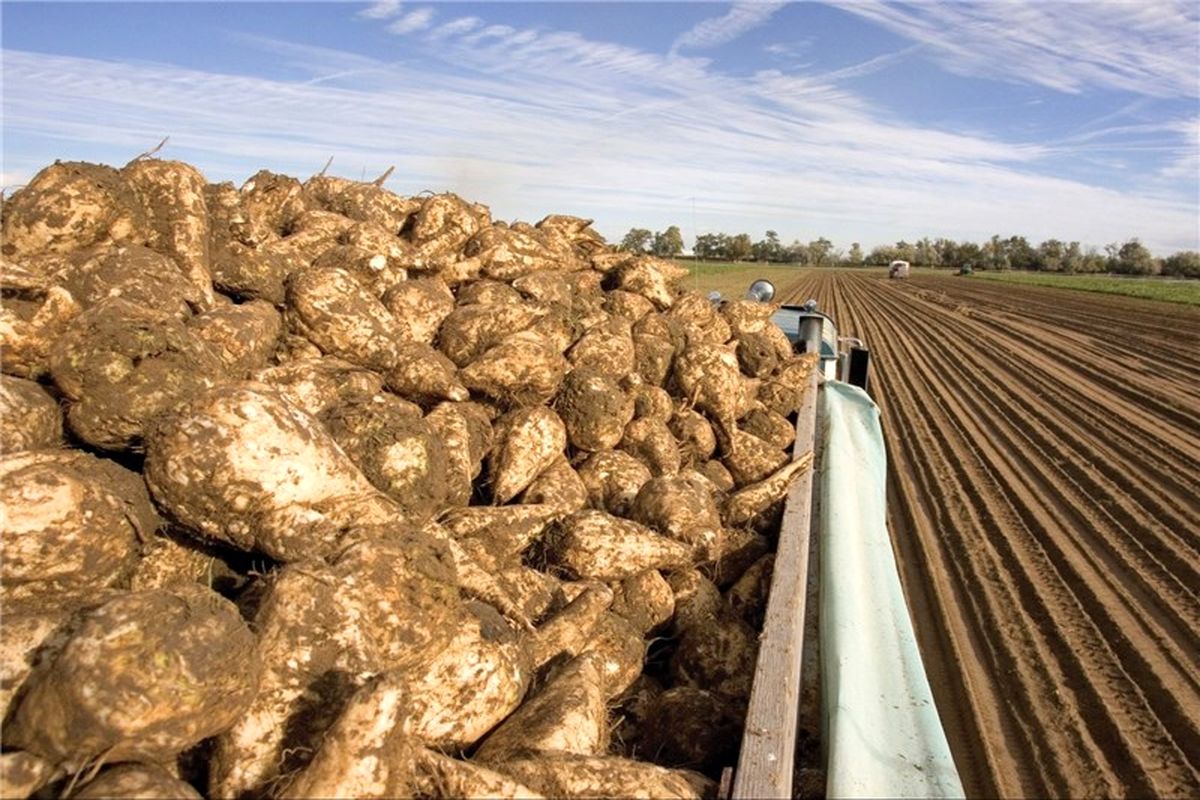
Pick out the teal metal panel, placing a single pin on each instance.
(882, 734)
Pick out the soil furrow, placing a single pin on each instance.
(1124, 325)
(1169, 362)
(1131, 326)
(1106, 386)
(1149, 409)
(1069, 644)
(1042, 490)
(1012, 639)
(1088, 508)
(1032, 488)
(1166, 495)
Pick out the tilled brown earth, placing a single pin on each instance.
(1044, 491)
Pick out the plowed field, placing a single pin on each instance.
(1044, 491)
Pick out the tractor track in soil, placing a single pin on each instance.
(1044, 470)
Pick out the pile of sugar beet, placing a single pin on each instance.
(313, 490)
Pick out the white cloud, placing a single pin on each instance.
(743, 16)
(1186, 162)
(383, 9)
(870, 66)
(539, 121)
(490, 32)
(417, 20)
(322, 63)
(789, 50)
(1147, 47)
(456, 27)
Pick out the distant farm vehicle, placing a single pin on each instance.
(898, 269)
(966, 270)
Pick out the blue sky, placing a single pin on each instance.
(859, 121)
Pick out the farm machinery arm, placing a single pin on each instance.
(838, 656)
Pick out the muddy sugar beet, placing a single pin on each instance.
(148, 675)
(314, 489)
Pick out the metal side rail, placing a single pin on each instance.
(767, 761)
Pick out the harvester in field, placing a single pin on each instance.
(838, 658)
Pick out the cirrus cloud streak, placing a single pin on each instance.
(540, 121)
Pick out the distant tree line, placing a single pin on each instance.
(1052, 255)
(666, 243)
(997, 253)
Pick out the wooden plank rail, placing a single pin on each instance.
(766, 764)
